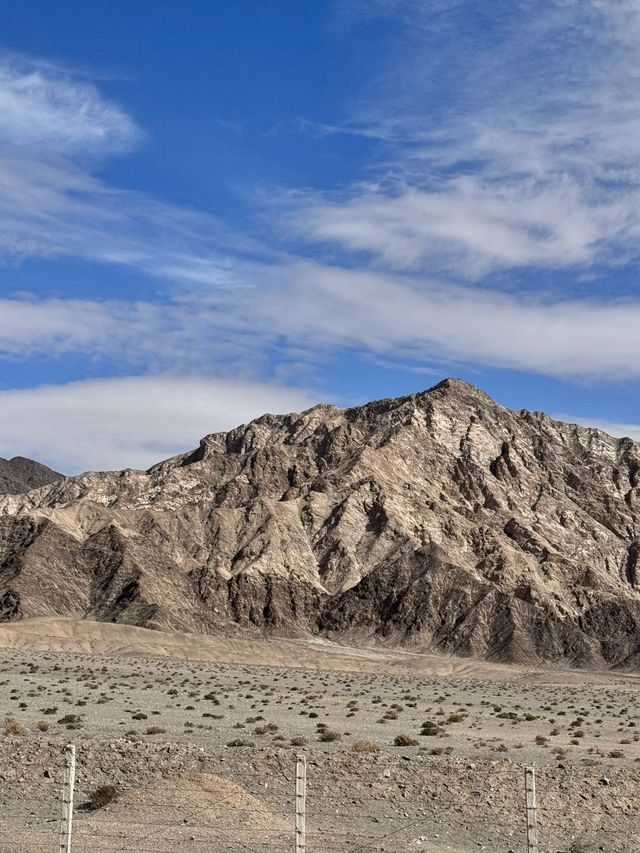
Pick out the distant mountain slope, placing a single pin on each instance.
(440, 520)
(19, 475)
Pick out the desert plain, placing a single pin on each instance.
(194, 740)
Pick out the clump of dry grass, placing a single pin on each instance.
(13, 727)
(364, 746)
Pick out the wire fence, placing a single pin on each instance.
(331, 803)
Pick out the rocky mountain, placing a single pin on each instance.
(440, 520)
(19, 475)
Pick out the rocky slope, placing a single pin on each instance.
(440, 520)
(19, 475)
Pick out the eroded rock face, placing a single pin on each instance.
(439, 520)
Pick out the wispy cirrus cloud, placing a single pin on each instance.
(43, 108)
(409, 316)
(189, 332)
(55, 129)
(526, 154)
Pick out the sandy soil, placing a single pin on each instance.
(156, 715)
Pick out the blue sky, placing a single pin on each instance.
(213, 209)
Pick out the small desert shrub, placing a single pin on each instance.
(441, 750)
(430, 729)
(155, 730)
(364, 746)
(298, 741)
(139, 716)
(328, 736)
(70, 720)
(14, 727)
(404, 740)
(42, 726)
(102, 796)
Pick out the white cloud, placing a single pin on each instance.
(468, 228)
(43, 108)
(568, 338)
(132, 421)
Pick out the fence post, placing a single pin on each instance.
(66, 809)
(530, 795)
(301, 796)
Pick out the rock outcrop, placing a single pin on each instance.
(440, 520)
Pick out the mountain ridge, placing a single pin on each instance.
(19, 474)
(439, 519)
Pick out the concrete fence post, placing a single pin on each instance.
(531, 807)
(301, 797)
(66, 803)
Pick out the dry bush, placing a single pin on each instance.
(364, 746)
(102, 796)
(404, 740)
(328, 736)
(14, 727)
